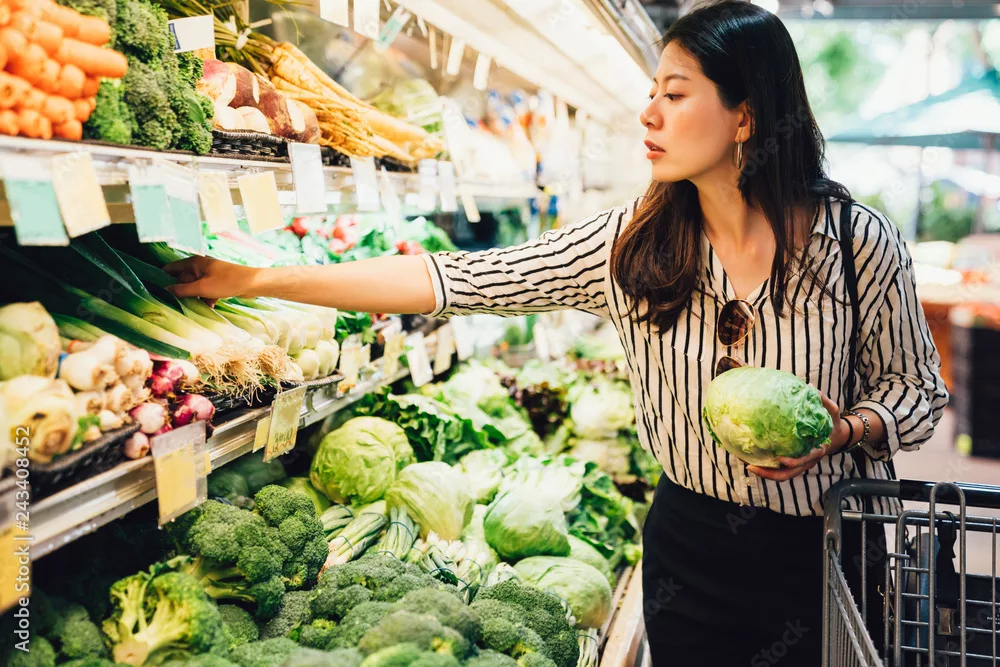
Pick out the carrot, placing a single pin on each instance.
(31, 123)
(45, 127)
(8, 123)
(90, 85)
(49, 81)
(3, 56)
(94, 31)
(71, 81)
(58, 109)
(4, 15)
(30, 65)
(33, 100)
(14, 42)
(45, 34)
(81, 110)
(69, 130)
(93, 60)
(65, 18)
(12, 90)
(33, 7)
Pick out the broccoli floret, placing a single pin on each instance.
(293, 516)
(524, 596)
(373, 571)
(307, 657)
(276, 503)
(396, 589)
(44, 612)
(317, 634)
(499, 634)
(154, 121)
(336, 603)
(156, 611)
(40, 653)
(491, 659)
(423, 630)
(519, 619)
(78, 637)
(528, 641)
(141, 30)
(203, 660)
(357, 623)
(446, 607)
(99, 662)
(400, 655)
(112, 118)
(563, 647)
(293, 614)
(266, 653)
(435, 660)
(535, 660)
(239, 625)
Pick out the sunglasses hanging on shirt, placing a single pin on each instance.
(735, 323)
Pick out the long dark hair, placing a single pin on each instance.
(749, 55)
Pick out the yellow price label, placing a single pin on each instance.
(284, 426)
(395, 345)
(260, 438)
(350, 363)
(260, 200)
(14, 555)
(81, 200)
(176, 486)
(217, 201)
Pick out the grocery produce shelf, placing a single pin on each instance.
(625, 631)
(84, 507)
(111, 164)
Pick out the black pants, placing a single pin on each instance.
(726, 585)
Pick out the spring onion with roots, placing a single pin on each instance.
(137, 446)
(89, 402)
(328, 352)
(84, 371)
(151, 417)
(119, 399)
(360, 534)
(589, 647)
(308, 361)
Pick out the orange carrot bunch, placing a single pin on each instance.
(52, 60)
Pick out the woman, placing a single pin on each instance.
(733, 256)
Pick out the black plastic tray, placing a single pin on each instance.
(334, 158)
(249, 144)
(93, 458)
(334, 378)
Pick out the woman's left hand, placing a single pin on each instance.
(793, 467)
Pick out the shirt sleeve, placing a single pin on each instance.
(897, 359)
(563, 268)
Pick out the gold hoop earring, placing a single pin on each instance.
(739, 154)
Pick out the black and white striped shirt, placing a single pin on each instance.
(897, 374)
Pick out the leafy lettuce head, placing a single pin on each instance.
(759, 414)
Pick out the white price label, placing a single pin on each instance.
(432, 46)
(469, 204)
(350, 362)
(260, 199)
(427, 182)
(193, 33)
(449, 186)
(366, 18)
(335, 11)
(417, 359)
(307, 171)
(445, 348)
(390, 200)
(480, 80)
(455, 53)
(79, 193)
(365, 183)
(465, 343)
(217, 201)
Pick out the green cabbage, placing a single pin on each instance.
(584, 588)
(358, 462)
(584, 552)
(483, 469)
(600, 408)
(305, 487)
(759, 414)
(474, 537)
(521, 523)
(436, 496)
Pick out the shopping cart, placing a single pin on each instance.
(935, 613)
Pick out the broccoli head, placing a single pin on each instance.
(92, 662)
(266, 653)
(535, 660)
(239, 625)
(141, 30)
(78, 637)
(447, 608)
(400, 655)
(330, 602)
(293, 515)
(435, 660)
(317, 634)
(522, 595)
(396, 589)
(203, 660)
(423, 630)
(156, 612)
(491, 659)
(357, 623)
(308, 657)
(40, 653)
(519, 619)
(293, 614)
(257, 473)
(372, 571)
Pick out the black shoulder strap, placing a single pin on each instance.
(851, 281)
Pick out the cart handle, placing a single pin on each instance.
(976, 495)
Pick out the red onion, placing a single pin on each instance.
(137, 446)
(182, 415)
(171, 370)
(166, 427)
(202, 408)
(151, 417)
(162, 386)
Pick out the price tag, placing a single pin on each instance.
(307, 171)
(366, 356)
(366, 19)
(449, 186)
(465, 344)
(427, 181)
(284, 426)
(469, 204)
(33, 205)
(260, 437)
(193, 33)
(365, 182)
(15, 554)
(150, 206)
(182, 193)
(390, 200)
(481, 77)
(392, 28)
(445, 348)
(179, 486)
(417, 359)
(260, 199)
(432, 46)
(395, 345)
(350, 362)
(217, 201)
(455, 53)
(335, 11)
(79, 194)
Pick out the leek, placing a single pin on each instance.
(76, 329)
(290, 338)
(313, 326)
(250, 321)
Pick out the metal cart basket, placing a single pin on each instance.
(935, 612)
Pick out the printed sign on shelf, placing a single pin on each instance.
(81, 200)
(284, 423)
(33, 204)
(193, 33)
(307, 171)
(180, 478)
(217, 201)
